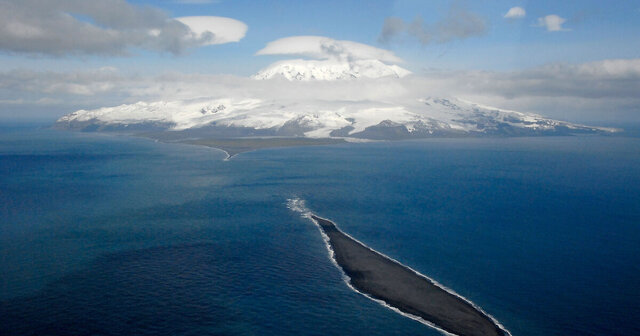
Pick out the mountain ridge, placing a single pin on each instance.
(427, 117)
(389, 115)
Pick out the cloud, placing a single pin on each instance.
(320, 47)
(601, 90)
(552, 23)
(82, 83)
(592, 80)
(458, 24)
(222, 29)
(515, 13)
(392, 27)
(610, 69)
(105, 27)
(607, 78)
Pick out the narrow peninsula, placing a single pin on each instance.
(400, 287)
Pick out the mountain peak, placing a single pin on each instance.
(331, 69)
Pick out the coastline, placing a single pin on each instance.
(235, 146)
(399, 287)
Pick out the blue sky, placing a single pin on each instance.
(596, 30)
(574, 60)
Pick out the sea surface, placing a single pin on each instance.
(114, 235)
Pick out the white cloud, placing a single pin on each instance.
(611, 69)
(458, 24)
(106, 27)
(320, 47)
(592, 80)
(223, 30)
(515, 13)
(552, 23)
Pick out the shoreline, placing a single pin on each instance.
(399, 287)
(234, 146)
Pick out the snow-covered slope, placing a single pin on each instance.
(331, 69)
(372, 120)
(386, 114)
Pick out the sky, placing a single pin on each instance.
(572, 60)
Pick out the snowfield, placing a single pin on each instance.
(390, 117)
(321, 119)
(306, 70)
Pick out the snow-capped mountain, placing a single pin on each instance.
(329, 59)
(376, 116)
(421, 118)
(330, 69)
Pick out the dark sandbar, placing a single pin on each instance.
(400, 287)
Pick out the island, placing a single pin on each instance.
(384, 279)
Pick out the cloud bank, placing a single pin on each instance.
(603, 90)
(458, 24)
(106, 27)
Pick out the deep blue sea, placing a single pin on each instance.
(113, 235)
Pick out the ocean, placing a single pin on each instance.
(115, 235)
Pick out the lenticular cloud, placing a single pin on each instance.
(330, 60)
(320, 47)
